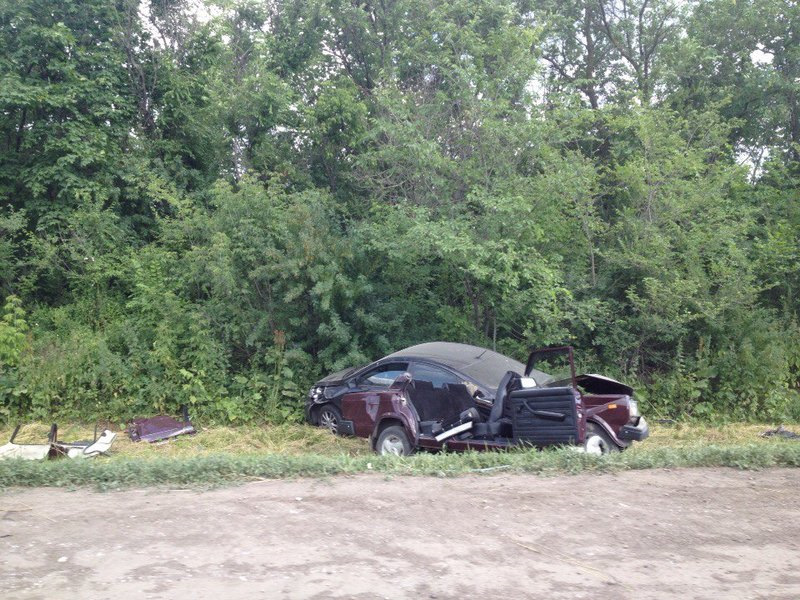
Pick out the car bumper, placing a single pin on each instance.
(309, 412)
(636, 430)
(346, 428)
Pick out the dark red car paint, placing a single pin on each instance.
(371, 411)
(160, 427)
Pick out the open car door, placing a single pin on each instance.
(547, 415)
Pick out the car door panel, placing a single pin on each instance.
(362, 409)
(545, 416)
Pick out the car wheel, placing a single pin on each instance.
(598, 442)
(393, 441)
(329, 418)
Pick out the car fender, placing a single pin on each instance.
(408, 424)
(607, 429)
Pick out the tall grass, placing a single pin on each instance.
(224, 468)
(223, 454)
(284, 439)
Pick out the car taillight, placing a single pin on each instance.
(633, 407)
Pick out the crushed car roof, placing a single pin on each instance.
(482, 364)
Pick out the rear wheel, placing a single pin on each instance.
(598, 441)
(393, 441)
(329, 418)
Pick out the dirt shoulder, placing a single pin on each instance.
(694, 533)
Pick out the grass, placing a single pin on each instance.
(282, 439)
(223, 455)
(682, 435)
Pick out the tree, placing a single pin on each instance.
(577, 52)
(65, 106)
(638, 30)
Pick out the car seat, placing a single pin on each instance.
(499, 422)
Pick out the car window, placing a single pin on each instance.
(383, 375)
(437, 376)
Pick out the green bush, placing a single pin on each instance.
(219, 219)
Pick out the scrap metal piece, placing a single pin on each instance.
(160, 427)
(87, 449)
(55, 448)
(28, 451)
(780, 431)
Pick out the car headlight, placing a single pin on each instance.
(633, 407)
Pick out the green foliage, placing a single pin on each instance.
(283, 393)
(12, 230)
(216, 211)
(13, 330)
(66, 111)
(13, 344)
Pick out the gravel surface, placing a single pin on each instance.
(694, 533)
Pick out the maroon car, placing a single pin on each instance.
(443, 395)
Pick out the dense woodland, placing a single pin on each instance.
(214, 203)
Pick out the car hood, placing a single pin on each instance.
(599, 384)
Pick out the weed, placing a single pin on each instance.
(217, 469)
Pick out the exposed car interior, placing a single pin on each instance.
(447, 409)
(520, 413)
(438, 403)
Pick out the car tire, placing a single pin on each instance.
(598, 441)
(393, 441)
(329, 417)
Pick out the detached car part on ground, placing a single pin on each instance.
(55, 448)
(160, 427)
(442, 395)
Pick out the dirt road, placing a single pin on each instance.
(649, 534)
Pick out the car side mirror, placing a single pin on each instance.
(351, 384)
(402, 381)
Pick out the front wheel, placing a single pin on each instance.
(598, 442)
(393, 440)
(329, 418)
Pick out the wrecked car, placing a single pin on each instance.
(442, 395)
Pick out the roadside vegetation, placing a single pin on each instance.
(293, 439)
(214, 203)
(228, 455)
